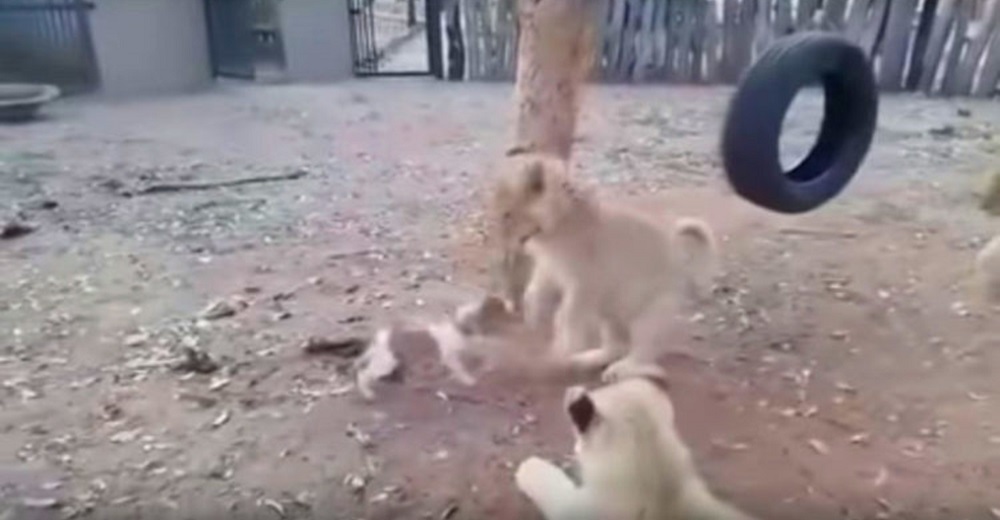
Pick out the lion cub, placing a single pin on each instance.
(602, 277)
(633, 464)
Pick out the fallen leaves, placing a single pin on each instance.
(819, 446)
(221, 419)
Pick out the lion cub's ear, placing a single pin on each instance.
(580, 408)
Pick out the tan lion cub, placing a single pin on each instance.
(633, 464)
(604, 278)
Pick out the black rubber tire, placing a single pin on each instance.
(750, 137)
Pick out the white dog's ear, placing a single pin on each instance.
(580, 408)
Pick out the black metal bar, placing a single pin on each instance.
(373, 42)
(47, 7)
(393, 74)
(432, 16)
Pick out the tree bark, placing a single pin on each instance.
(554, 59)
(556, 52)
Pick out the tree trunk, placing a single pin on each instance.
(554, 59)
(555, 54)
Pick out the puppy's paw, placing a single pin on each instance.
(627, 368)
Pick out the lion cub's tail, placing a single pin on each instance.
(695, 254)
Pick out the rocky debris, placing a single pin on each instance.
(223, 308)
(15, 228)
(197, 361)
(347, 347)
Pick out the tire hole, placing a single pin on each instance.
(800, 127)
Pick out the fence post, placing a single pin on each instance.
(432, 16)
(456, 48)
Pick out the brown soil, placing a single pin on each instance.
(843, 371)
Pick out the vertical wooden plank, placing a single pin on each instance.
(730, 25)
(856, 18)
(871, 37)
(943, 23)
(659, 37)
(507, 29)
(920, 41)
(614, 37)
(644, 42)
(833, 14)
(783, 24)
(990, 75)
(713, 43)
(486, 30)
(745, 40)
(499, 38)
(804, 16)
(472, 43)
(634, 12)
(896, 44)
(763, 35)
(686, 23)
(698, 41)
(949, 81)
(602, 45)
(456, 47)
(977, 46)
(674, 30)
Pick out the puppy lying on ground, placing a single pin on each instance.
(632, 461)
(603, 277)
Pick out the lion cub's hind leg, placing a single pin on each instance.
(577, 323)
(542, 298)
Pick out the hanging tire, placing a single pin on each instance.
(750, 138)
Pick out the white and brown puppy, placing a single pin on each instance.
(605, 278)
(633, 463)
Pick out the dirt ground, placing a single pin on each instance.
(844, 370)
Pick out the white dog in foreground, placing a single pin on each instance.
(632, 461)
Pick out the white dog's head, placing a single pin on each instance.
(625, 435)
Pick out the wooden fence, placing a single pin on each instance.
(949, 47)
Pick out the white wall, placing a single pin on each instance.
(317, 39)
(151, 46)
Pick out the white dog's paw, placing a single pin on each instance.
(627, 368)
(536, 476)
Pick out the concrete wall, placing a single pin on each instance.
(151, 46)
(317, 39)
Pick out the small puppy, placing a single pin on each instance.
(602, 277)
(632, 461)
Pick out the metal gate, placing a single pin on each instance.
(47, 41)
(376, 33)
(231, 37)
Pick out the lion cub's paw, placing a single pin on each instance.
(627, 369)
